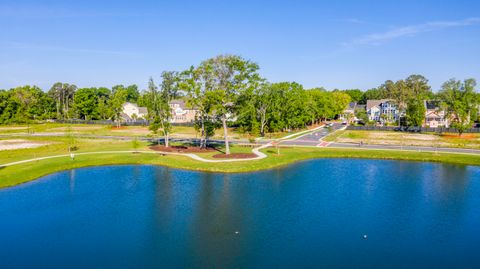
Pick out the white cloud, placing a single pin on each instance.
(412, 30)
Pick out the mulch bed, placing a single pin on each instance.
(181, 149)
(235, 156)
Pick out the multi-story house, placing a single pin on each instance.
(180, 112)
(349, 113)
(373, 110)
(132, 112)
(435, 116)
(383, 111)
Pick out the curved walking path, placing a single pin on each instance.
(256, 151)
(284, 140)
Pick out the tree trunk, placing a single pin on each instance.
(166, 139)
(225, 134)
(203, 142)
(58, 108)
(65, 104)
(262, 126)
(165, 134)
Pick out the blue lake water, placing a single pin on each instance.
(312, 214)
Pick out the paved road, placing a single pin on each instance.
(313, 138)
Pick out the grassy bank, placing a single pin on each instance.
(17, 174)
(59, 129)
(406, 139)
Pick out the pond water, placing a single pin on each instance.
(329, 213)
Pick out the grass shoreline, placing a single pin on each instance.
(22, 173)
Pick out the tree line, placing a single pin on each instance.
(64, 101)
(458, 99)
(228, 90)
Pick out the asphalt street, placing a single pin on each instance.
(313, 138)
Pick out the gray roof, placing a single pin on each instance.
(352, 105)
(125, 116)
(361, 107)
(372, 103)
(178, 102)
(432, 105)
(142, 110)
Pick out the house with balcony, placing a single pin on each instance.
(383, 111)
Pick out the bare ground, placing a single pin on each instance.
(12, 144)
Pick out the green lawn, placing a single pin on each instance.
(21, 173)
(60, 145)
(129, 131)
(406, 139)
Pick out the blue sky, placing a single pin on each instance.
(335, 44)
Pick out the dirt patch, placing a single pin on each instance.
(52, 133)
(126, 129)
(119, 128)
(12, 144)
(401, 136)
(463, 136)
(235, 156)
(12, 128)
(181, 149)
(424, 137)
(76, 128)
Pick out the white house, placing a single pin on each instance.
(349, 112)
(435, 116)
(383, 110)
(180, 112)
(373, 109)
(133, 112)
